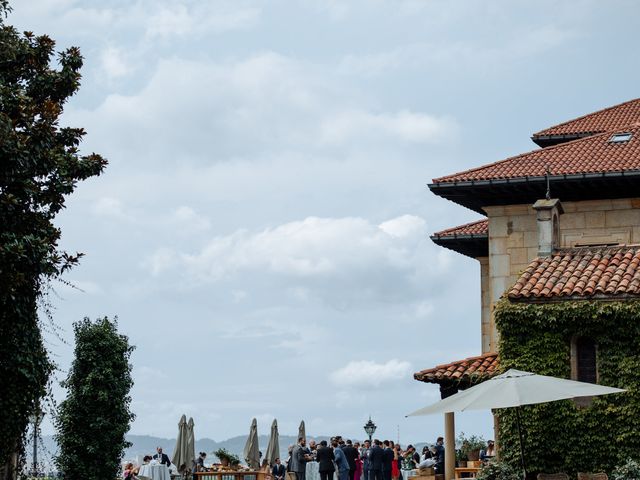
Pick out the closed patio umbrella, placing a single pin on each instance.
(515, 388)
(302, 431)
(273, 449)
(251, 450)
(180, 451)
(191, 445)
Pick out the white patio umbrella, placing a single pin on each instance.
(273, 449)
(515, 388)
(251, 450)
(180, 451)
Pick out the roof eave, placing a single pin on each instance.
(550, 140)
(472, 245)
(518, 190)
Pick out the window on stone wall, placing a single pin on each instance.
(584, 366)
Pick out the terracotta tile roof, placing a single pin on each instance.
(612, 118)
(470, 369)
(595, 154)
(479, 227)
(585, 272)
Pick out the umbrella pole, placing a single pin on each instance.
(524, 469)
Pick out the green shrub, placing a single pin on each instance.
(630, 470)
(498, 471)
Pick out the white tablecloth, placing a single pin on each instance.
(155, 472)
(313, 471)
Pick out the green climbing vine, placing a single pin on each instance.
(562, 436)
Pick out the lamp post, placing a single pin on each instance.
(35, 418)
(370, 428)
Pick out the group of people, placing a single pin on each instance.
(377, 460)
(131, 471)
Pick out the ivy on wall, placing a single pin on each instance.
(561, 436)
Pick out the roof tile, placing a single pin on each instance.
(479, 227)
(470, 369)
(581, 273)
(595, 154)
(611, 118)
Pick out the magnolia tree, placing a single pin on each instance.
(92, 421)
(39, 166)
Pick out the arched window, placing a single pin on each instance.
(584, 367)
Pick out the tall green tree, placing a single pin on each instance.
(39, 166)
(92, 421)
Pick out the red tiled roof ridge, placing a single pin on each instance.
(581, 117)
(464, 360)
(509, 159)
(477, 367)
(566, 145)
(581, 272)
(479, 227)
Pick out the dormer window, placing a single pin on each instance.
(620, 137)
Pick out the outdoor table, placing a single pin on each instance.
(252, 475)
(472, 470)
(312, 471)
(155, 472)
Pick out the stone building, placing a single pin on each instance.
(559, 224)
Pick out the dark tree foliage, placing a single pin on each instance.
(39, 166)
(94, 418)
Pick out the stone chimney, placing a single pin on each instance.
(548, 213)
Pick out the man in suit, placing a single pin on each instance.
(341, 461)
(376, 458)
(278, 470)
(387, 460)
(325, 458)
(365, 459)
(352, 455)
(299, 459)
(439, 467)
(162, 458)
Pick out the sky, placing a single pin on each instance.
(262, 229)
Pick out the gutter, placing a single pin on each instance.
(533, 179)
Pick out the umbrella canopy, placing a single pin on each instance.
(179, 458)
(191, 445)
(251, 450)
(513, 389)
(301, 431)
(273, 449)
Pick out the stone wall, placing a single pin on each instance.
(513, 243)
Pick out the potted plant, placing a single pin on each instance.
(470, 446)
(461, 458)
(227, 459)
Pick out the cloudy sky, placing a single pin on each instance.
(262, 228)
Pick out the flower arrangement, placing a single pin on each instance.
(227, 457)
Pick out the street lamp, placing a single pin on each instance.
(35, 418)
(370, 428)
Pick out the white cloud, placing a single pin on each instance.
(260, 106)
(113, 63)
(180, 19)
(338, 260)
(369, 374)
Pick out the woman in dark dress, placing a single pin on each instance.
(325, 459)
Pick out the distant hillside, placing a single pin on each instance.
(146, 445)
